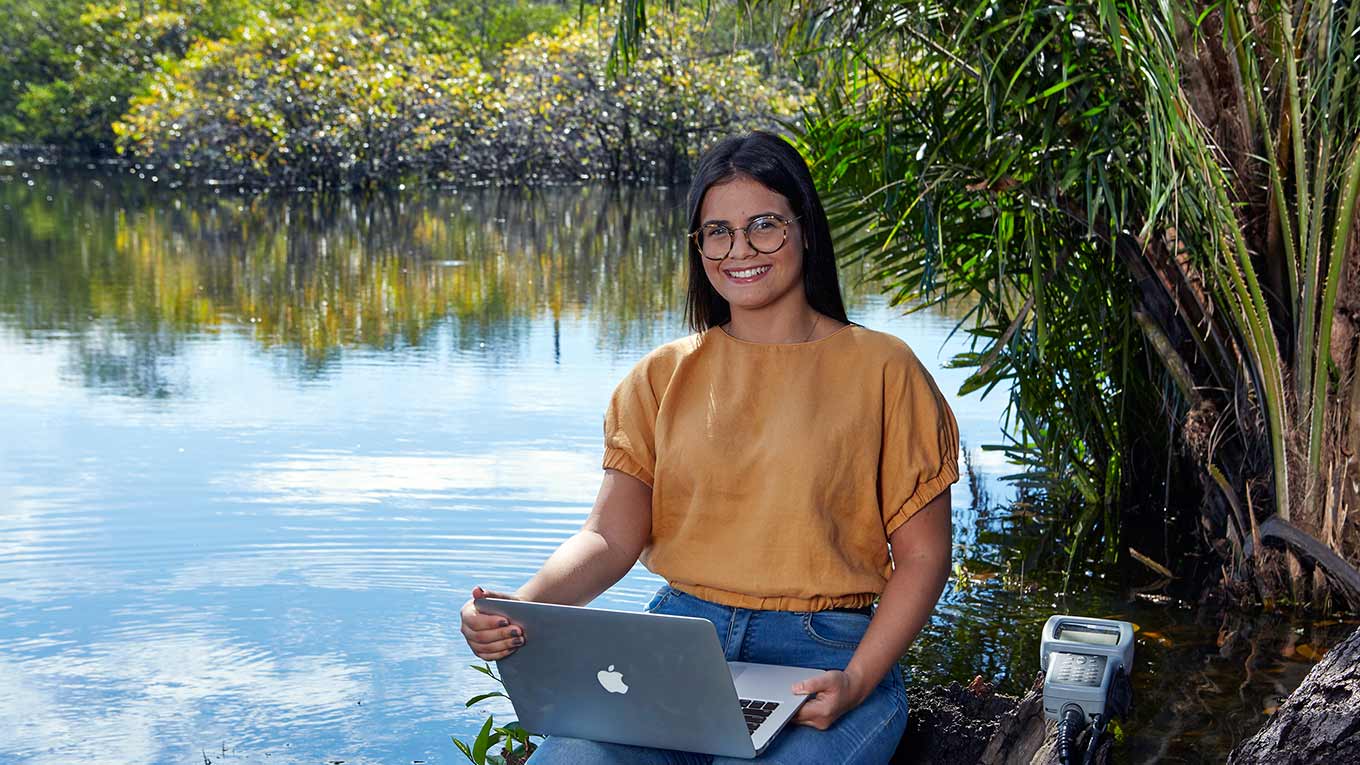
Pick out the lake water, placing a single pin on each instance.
(255, 452)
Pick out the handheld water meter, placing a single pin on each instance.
(1086, 663)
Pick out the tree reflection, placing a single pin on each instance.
(129, 271)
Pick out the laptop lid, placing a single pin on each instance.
(624, 677)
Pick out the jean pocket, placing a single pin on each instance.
(836, 629)
(659, 599)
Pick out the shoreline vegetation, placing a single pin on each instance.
(311, 95)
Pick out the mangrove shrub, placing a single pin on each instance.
(567, 116)
(331, 100)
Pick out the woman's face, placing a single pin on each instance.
(747, 279)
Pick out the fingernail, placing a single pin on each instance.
(505, 623)
(515, 632)
(519, 641)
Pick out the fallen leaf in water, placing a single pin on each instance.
(1271, 709)
(1308, 652)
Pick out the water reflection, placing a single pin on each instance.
(257, 451)
(128, 275)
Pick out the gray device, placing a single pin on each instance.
(1081, 657)
(638, 678)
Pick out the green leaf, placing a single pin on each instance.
(484, 697)
(464, 749)
(482, 743)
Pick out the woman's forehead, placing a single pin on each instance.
(741, 198)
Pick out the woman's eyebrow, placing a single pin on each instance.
(748, 220)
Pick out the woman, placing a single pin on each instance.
(762, 466)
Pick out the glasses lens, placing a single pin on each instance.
(715, 241)
(767, 234)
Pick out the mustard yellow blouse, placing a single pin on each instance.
(779, 470)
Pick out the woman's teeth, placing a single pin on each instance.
(748, 273)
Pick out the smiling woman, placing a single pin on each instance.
(781, 468)
(785, 242)
(763, 269)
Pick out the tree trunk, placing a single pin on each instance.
(1324, 485)
(1319, 722)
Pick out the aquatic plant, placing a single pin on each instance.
(515, 742)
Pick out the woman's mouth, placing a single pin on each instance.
(746, 275)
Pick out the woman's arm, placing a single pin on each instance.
(603, 551)
(921, 550)
(921, 564)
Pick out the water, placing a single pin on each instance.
(254, 453)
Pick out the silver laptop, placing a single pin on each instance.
(645, 679)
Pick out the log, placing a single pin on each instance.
(1281, 532)
(957, 725)
(1319, 722)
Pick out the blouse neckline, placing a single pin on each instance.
(718, 328)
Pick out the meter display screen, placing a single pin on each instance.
(1079, 634)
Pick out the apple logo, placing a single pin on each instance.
(611, 680)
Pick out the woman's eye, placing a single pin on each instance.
(762, 224)
(716, 231)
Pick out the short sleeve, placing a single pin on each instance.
(630, 426)
(920, 451)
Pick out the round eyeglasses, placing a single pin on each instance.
(765, 234)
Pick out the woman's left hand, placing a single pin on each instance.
(836, 694)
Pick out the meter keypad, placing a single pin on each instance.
(1077, 669)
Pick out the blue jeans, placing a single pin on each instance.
(865, 735)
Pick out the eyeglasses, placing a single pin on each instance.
(765, 234)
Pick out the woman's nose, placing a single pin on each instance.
(741, 249)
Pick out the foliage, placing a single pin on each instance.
(68, 67)
(565, 117)
(337, 99)
(319, 93)
(513, 738)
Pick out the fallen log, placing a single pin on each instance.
(957, 725)
(1319, 722)
(1280, 532)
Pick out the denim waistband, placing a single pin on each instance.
(865, 610)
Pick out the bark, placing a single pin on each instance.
(1319, 722)
(1228, 439)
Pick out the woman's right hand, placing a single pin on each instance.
(490, 636)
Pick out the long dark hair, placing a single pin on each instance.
(775, 164)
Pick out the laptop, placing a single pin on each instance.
(653, 680)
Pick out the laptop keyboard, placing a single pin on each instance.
(756, 711)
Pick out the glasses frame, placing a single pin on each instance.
(745, 231)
